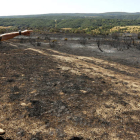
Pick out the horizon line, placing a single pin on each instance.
(67, 13)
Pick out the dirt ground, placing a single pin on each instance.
(66, 93)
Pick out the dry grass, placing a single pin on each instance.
(66, 28)
(131, 29)
(3, 27)
(97, 30)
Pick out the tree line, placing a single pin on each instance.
(77, 25)
(67, 23)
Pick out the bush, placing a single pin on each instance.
(54, 41)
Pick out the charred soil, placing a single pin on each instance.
(55, 93)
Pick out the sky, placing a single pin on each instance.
(29, 7)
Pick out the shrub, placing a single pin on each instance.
(54, 41)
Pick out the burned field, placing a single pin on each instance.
(67, 93)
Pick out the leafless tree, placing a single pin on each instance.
(83, 40)
(98, 41)
(38, 41)
(47, 38)
(116, 41)
(137, 45)
(21, 40)
(115, 36)
(32, 39)
(139, 35)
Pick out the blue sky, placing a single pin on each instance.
(27, 7)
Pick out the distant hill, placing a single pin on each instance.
(109, 15)
(89, 21)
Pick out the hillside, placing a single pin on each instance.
(68, 91)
